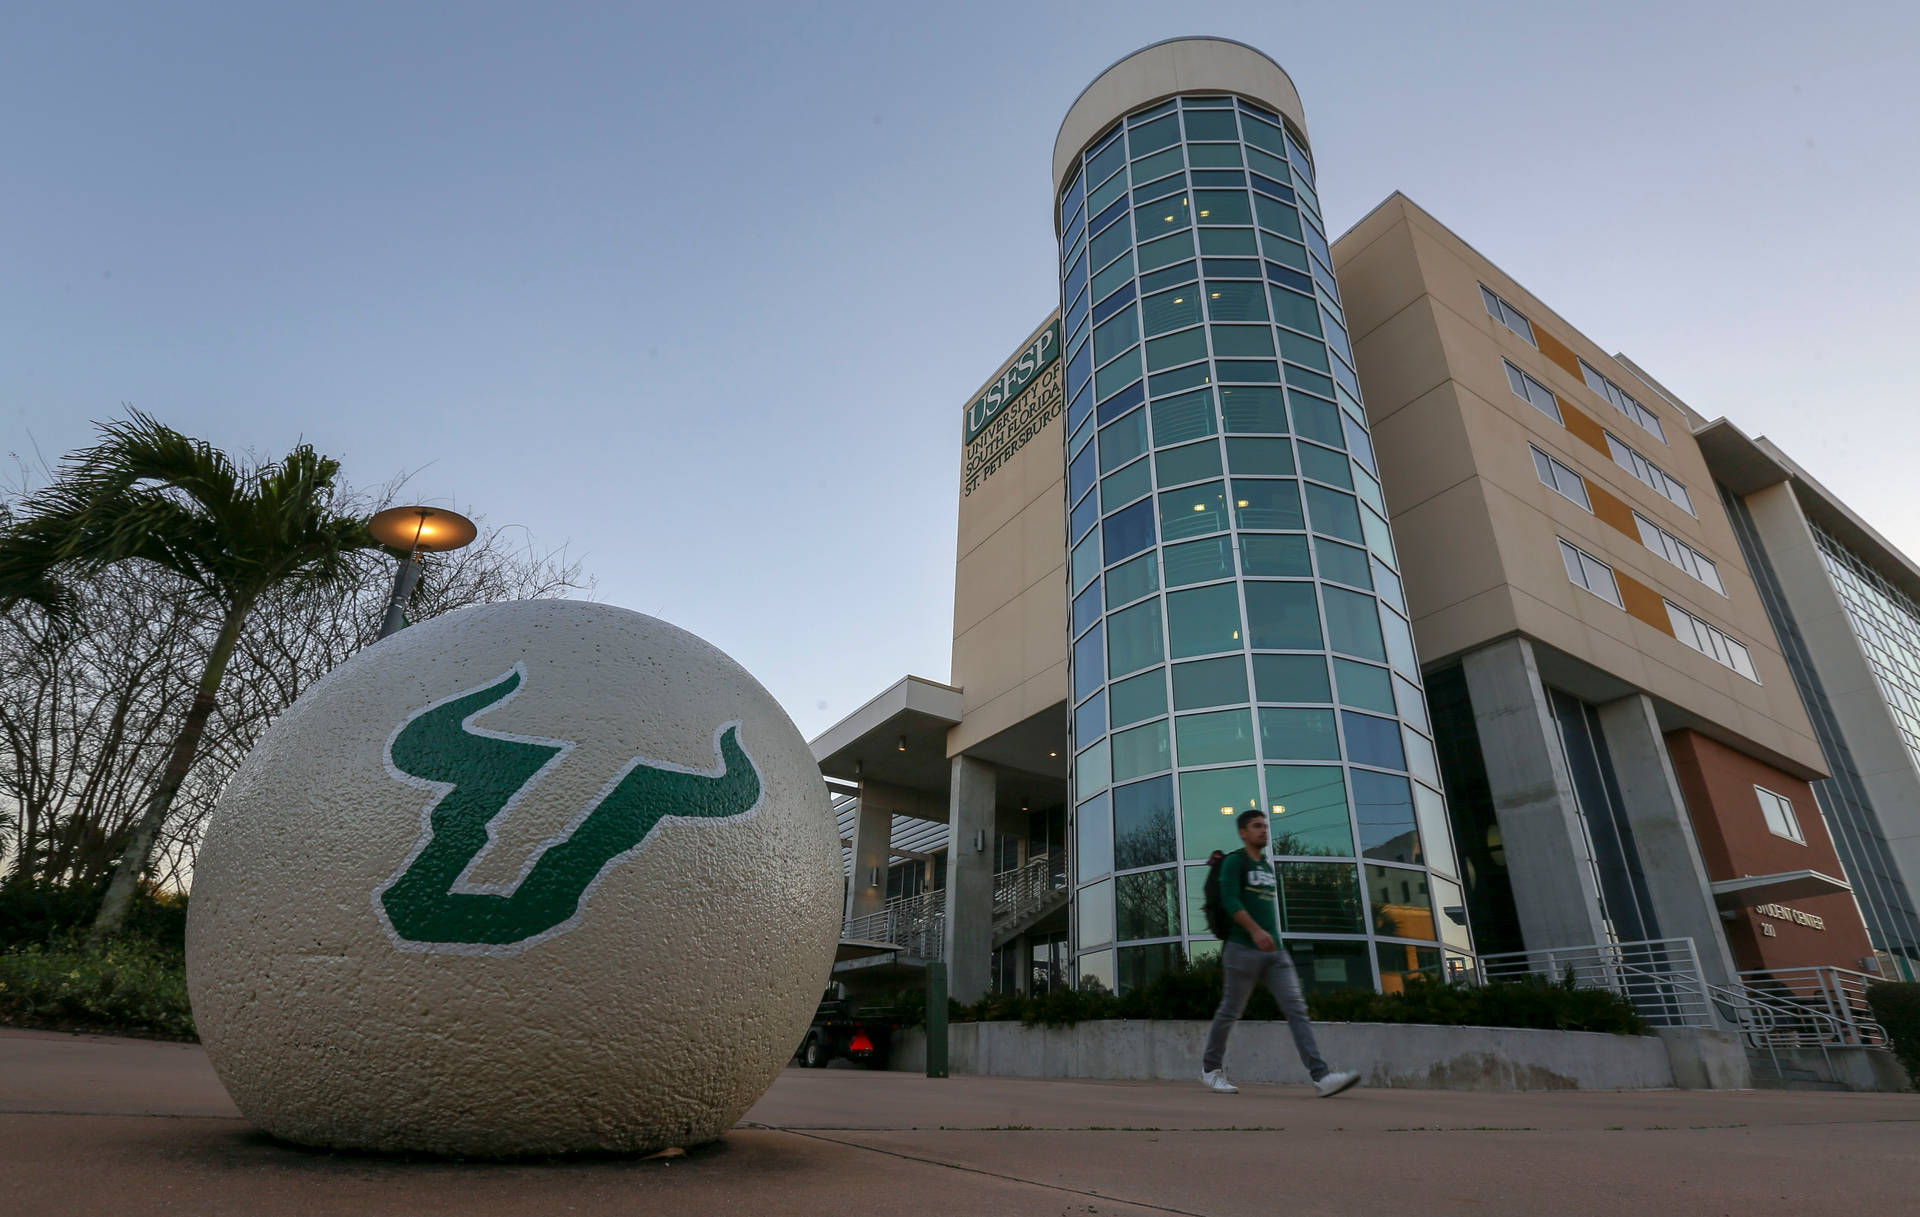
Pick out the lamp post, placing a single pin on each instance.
(416, 531)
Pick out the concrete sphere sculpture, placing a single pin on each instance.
(534, 877)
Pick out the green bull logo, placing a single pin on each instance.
(479, 775)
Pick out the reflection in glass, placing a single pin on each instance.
(1307, 811)
(1210, 801)
(1383, 805)
(1319, 898)
(1140, 965)
(1399, 902)
(1143, 823)
(1148, 905)
(1093, 839)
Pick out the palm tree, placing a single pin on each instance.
(233, 535)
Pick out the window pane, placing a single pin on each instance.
(1317, 420)
(1153, 136)
(1112, 277)
(1134, 638)
(1259, 455)
(1292, 309)
(1089, 663)
(1090, 720)
(1400, 904)
(1132, 581)
(1384, 807)
(1282, 616)
(1172, 310)
(1353, 624)
(1127, 532)
(1193, 511)
(1229, 301)
(1277, 216)
(1093, 836)
(1365, 686)
(1149, 905)
(1319, 898)
(1115, 335)
(1188, 464)
(1157, 166)
(1086, 561)
(1210, 800)
(1215, 738)
(1198, 561)
(1307, 811)
(1173, 349)
(1291, 678)
(1222, 207)
(1231, 242)
(1326, 465)
(1281, 556)
(1298, 735)
(1254, 408)
(1091, 771)
(1213, 156)
(1334, 513)
(1138, 697)
(1095, 920)
(1268, 503)
(1209, 682)
(1373, 741)
(1143, 823)
(1248, 341)
(1165, 251)
(1122, 441)
(1204, 620)
(1086, 609)
(1188, 416)
(1325, 966)
(1141, 750)
(1117, 375)
(1435, 832)
(1342, 563)
(1125, 486)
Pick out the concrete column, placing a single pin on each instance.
(1663, 833)
(970, 880)
(1554, 889)
(872, 845)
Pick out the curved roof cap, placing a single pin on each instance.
(1178, 65)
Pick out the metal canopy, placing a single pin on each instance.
(1765, 889)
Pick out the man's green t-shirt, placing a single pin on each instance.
(1247, 883)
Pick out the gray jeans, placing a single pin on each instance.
(1245, 968)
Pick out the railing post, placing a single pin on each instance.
(936, 1019)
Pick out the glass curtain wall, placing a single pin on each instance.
(1240, 637)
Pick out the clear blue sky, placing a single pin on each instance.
(703, 289)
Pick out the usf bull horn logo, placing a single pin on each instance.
(431, 905)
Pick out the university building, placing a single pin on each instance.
(1359, 533)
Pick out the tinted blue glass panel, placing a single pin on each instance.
(1324, 278)
(1318, 244)
(1266, 135)
(1077, 409)
(1090, 720)
(1273, 188)
(1070, 201)
(1248, 370)
(1384, 805)
(1086, 606)
(1089, 662)
(1183, 273)
(1112, 213)
(1153, 136)
(1344, 374)
(1076, 314)
(1232, 268)
(1111, 244)
(1290, 278)
(1121, 402)
(1127, 532)
(1359, 445)
(1182, 378)
(1077, 369)
(1282, 616)
(1105, 161)
(1113, 304)
(1298, 157)
(1312, 382)
(1211, 125)
(1085, 515)
(1373, 741)
(1353, 624)
(1317, 420)
(1219, 177)
(1081, 473)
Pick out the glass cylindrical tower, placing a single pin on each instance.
(1239, 635)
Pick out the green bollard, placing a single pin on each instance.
(936, 1020)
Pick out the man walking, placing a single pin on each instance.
(1252, 956)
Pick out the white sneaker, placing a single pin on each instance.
(1334, 1083)
(1216, 1081)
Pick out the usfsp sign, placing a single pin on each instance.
(1042, 351)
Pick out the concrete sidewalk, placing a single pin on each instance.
(93, 1125)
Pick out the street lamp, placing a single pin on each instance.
(416, 531)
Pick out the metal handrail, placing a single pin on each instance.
(1841, 992)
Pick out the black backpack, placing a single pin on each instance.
(1210, 898)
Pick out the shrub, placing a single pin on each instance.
(128, 987)
(1192, 991)
(49, 913)
(1896, 1006)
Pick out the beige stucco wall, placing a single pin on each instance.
(1010, 587)
(1476, 527)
